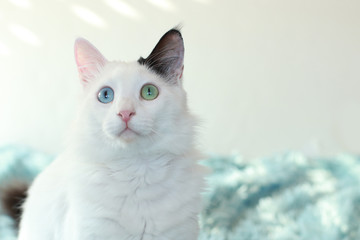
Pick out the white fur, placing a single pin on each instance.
(133, 186)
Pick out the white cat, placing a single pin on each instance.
(130, 170)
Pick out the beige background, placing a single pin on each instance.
(264, 76)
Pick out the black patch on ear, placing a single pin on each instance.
(12, 197)
(167, 57)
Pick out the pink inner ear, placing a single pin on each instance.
(88, 59)
(181, 72)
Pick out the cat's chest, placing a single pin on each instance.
(132, 197)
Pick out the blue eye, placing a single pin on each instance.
(106, 95)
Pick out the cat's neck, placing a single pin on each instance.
(129, 161)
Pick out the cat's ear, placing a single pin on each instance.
(89, 60)
(167, 58)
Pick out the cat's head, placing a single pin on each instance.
(141, 102)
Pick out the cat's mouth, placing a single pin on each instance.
(128, 133)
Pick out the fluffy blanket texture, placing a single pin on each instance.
(283, 197)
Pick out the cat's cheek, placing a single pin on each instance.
(142, 129)
(112, 127)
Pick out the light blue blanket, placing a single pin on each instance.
(286, 197)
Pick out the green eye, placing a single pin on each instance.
(149, 92)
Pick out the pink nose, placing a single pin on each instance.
(126, 115)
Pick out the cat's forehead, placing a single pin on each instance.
(128, 75)
(122, 72)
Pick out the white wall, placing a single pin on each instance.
(265, 76)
